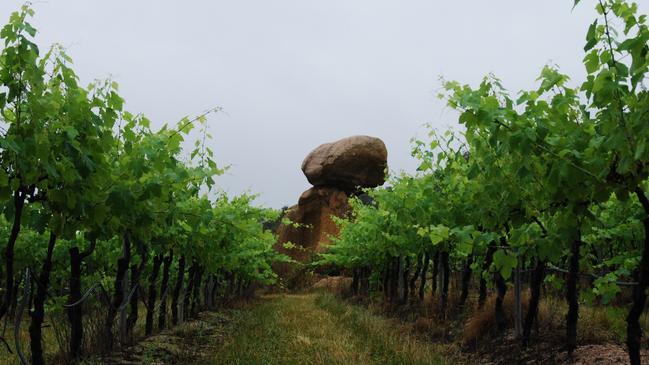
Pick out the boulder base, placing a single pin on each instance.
(352, 162)
(313, 214)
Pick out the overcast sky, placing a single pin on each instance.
(292, 74)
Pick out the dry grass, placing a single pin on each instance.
(388, 340)
(188, 342)
(482, 321)
(338, 285)
(424, 325)
(597, 324)
(56, 336)
(52, 337)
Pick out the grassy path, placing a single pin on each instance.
(317, 329)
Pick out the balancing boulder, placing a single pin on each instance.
(347, 164)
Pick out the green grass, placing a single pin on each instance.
(318, 329)
(50, 344)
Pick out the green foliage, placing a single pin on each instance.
(528, 174)
(88, 170)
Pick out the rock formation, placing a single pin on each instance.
(358, 161)
(337, 170)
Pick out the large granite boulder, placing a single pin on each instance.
(336, 170)
(358, 161)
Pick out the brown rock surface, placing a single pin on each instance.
(347, 163)
(313, 214)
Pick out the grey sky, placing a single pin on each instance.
(292, 74)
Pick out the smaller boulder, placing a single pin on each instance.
(358, 161)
